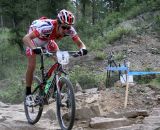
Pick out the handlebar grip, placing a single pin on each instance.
(75, 55)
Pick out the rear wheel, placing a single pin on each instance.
(34, 112)
(65, 101)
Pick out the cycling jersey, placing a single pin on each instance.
(45, 30)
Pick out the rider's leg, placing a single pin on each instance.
(29, 74)
(52, 46)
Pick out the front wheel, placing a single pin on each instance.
(34, 112)
(65, 101)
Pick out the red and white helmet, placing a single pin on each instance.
(66, 17)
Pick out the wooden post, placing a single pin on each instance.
(127, 86)
(126, 94)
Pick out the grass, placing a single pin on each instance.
(96, 37)
(156, 82)
(12, 70)
(85, 77)
(100, 55)
(13, 93)
(116, 34)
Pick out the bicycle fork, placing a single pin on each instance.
(57, 84)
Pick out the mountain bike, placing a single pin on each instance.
(54, 85)
(112, 75)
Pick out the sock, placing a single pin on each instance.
(28, 90)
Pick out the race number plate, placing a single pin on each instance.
(63, 57)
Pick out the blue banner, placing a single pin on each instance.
(122, 68)
(142, 73)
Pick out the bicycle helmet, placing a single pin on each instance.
(66, 17)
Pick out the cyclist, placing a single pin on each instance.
(43, 33)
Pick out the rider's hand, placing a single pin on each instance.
(37, 50)
(82, 52)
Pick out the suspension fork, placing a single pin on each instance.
(57, 77)
(57, 82)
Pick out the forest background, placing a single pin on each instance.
(97, 23)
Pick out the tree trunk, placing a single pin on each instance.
(37, 9)
(76, 16)
(93, 12)
(13, 23)
(84, 10)
(2, 22)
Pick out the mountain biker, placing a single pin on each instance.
(42, 33)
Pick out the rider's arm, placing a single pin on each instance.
(73, 34)
(27, 39)
(81, 46)
(79, 43)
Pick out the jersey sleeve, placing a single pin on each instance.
(73, 34)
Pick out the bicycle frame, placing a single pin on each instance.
(53, 86)
(56, 68)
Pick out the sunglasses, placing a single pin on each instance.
(65, 27)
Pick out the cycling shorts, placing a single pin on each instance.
(49, 45)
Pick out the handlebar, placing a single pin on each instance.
(61, 56)
(53, 53)
(42, 51)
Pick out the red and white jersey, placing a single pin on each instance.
(45, 29)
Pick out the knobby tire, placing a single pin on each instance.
(36, 81)
(71, 97)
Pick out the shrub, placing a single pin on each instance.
(116, 34)
(97, 44)
(99, 55)
(156, 82)
(85, 77)
(13, 93)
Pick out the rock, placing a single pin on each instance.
(3, 105)
(101, 122)
(50, 114)
(2, 118)
(137, 127)
(155, 112)
(92, 99)
(152, 120)
(134, 114)
(101, 87)
(87, 113)
(78, 88)
(18, 126)
(128, 114)
(119, 84)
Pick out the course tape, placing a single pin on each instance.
(142, 73)
(123, 68)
